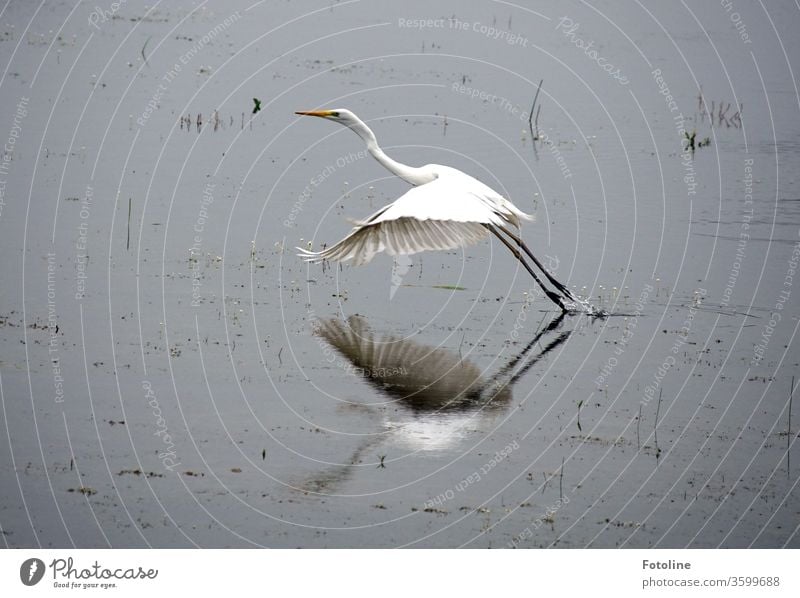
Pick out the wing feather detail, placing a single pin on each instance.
(448, 213)
(404, 236)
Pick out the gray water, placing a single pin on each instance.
(172, 375)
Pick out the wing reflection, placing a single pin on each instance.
(440, 393)
(440, 396)
(422, 378)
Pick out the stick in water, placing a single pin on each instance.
(535, 136)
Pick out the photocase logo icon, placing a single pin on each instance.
(31, 572)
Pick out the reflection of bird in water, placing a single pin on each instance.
(440, 396)
(423, 379)
(428, 379)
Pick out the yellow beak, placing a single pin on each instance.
(321, 113)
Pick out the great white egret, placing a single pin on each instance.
(446, 209)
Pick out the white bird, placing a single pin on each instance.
(445, 209)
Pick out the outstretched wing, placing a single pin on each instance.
(447, 213)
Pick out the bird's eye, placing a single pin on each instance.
(335, 114)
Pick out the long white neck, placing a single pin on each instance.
(415, 176)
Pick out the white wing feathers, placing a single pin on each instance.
(447, 213)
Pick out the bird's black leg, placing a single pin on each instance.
(555, 298)
(567, 293)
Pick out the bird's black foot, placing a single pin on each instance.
(575, 307)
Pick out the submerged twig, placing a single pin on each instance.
(789, 429)
(535, 136)
(655, 425)
(638, 421)
(143, 47)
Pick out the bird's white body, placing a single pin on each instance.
(456, 196)
(445, 209)
(449, 212)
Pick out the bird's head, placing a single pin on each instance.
(341, 115)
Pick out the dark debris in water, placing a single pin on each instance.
(138, 472)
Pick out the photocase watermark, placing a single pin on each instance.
(555, 152)
(475, 93)
(81, 244)
(776, 316)
(66, 575)
(490, 31)
(569, 28)
(401, 264)
(736, 19)
(744, 235)
(332, 357)
(104, 15)
(196, 249)
(379, 372)
(512, 109)
(686, 153)
(669, 361)
(167, 456)
(473, 478)
(551, 264)
(8, 148)
(522, 315)
(628, 331)
(546, 517)
(52, 330)
(687, 160)
(318, 179)
(31, 571)
(663, 89)
(183, 60)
